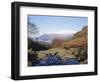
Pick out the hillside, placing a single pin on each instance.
(78, 40)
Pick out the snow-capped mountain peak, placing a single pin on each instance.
(48, 38)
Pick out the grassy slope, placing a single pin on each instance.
(79, 39)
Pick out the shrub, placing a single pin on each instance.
(35, 45)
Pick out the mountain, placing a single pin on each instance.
(79, 39)
(82, 33)
(48, 38)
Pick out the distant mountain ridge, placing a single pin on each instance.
(50, 37)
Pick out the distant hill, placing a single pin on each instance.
(79, 39)
(48, 38)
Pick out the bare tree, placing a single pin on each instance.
(32, 29)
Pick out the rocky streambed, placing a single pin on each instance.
(58, 56)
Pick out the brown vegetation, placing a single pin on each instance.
(78, 40)
(57, 43)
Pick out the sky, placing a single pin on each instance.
(58, 24)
